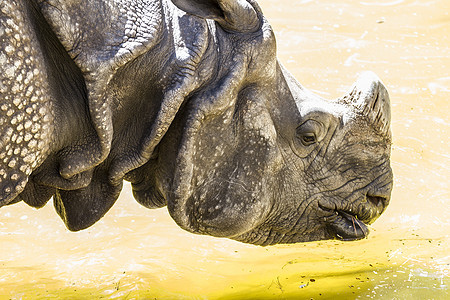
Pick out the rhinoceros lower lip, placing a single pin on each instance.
(345, 225)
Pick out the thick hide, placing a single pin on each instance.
(186, 100)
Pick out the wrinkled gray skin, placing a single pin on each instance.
(187, 101)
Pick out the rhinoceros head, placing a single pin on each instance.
(187, 101)
(255, 157)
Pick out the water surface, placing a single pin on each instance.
(138, 253)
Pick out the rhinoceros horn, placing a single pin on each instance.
(371, 100)
(235, 15)
(367, 99)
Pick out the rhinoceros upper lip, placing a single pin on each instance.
(345, 225)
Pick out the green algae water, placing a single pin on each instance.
(136, 253)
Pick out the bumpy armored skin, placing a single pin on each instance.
(187, 101)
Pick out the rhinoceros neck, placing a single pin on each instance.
(192, 44)
(181, 62)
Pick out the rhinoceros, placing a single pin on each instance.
(186, 100)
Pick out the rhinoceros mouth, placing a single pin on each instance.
(346, 225)
(349, 223)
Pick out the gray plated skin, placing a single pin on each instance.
(187, 101)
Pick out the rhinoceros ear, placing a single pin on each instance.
(235, 15)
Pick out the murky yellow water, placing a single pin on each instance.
(138, 253)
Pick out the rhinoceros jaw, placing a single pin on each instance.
(345, 225)
(348, 227)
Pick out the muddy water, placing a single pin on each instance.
(138, 253)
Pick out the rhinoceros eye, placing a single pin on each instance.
(308, 131)
(308, 138)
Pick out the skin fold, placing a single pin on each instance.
(187, 101)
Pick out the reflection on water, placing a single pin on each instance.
(138, 253)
